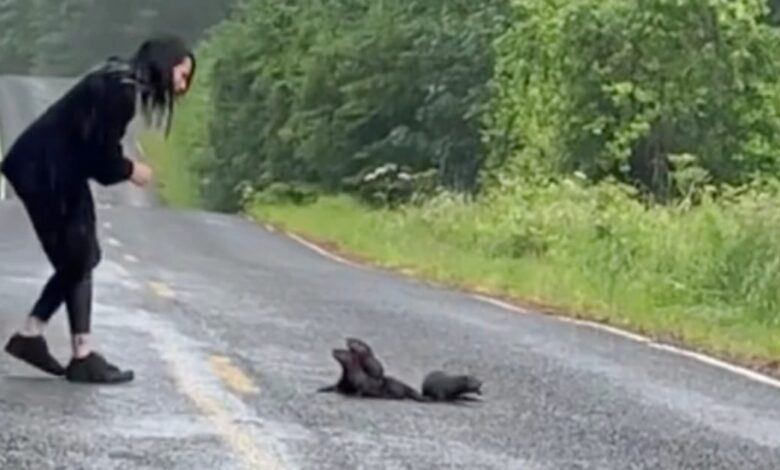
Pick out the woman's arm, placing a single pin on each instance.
(113, 93)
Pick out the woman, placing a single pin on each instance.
(49, 166)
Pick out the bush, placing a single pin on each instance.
(719, 258)
(610, 87)
(325, 92)
(279, 193)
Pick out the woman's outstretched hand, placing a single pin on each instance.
(142, 173)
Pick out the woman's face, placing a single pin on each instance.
(181, 75)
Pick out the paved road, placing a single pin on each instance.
(229, 325)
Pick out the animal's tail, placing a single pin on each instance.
(327, 389)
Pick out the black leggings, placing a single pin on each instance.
(67, 233)
(77, 295)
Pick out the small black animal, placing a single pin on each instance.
(440, 386)
(394, 388)
(345, 384)
(356, 382)
(363, 375)
(368, 361)
(373, 368)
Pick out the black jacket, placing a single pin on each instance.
(78, 137)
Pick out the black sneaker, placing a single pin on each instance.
(95, 369)
(34, 351)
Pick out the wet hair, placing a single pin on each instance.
(153, 63)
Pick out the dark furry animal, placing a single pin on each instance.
(363, 375)
(356, 382)
(397, 389)
(345, 385)
(437, 386)
(440, 386)
(368, 361)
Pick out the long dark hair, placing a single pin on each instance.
(153, 62)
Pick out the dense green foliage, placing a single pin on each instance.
(19, 26)
(386, 99)
(666, 93)
(329, 93)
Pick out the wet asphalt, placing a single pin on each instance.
(229, 325)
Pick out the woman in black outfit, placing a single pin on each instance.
(76, 139)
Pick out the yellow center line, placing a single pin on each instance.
(211, 401)
(231, 375)
(253, 456)
(222, 407)
(161, 290)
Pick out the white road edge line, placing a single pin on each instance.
(741, 371)
(750, 374)
(323, 252)
(577, 321)
(738, 370)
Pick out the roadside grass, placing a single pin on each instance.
(706, 278)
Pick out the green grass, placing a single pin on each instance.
(173, 179)
(707, 277)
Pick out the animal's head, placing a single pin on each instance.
(359, 347)
(472, 384)
(343, 356)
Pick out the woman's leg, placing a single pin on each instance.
(70, 283)
(69, 240)
(28, 344)
(82, 257)
(51, 229)
(49, 300)
(79, 305)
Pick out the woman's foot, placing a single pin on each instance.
(34, 351)
(93, 368)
